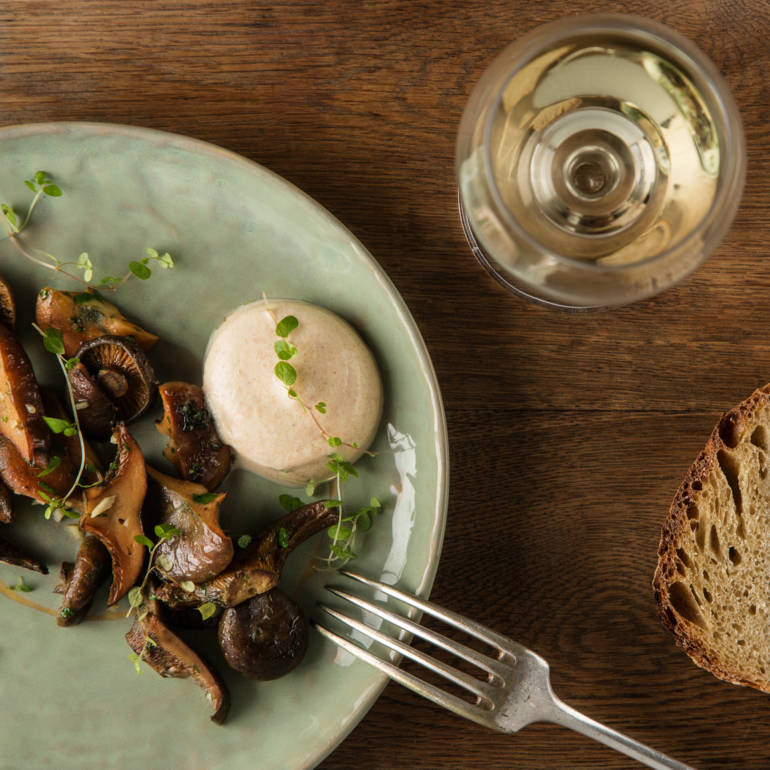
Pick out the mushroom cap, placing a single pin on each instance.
(123, 371)
(7, 305)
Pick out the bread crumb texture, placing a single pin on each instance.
(712, 582)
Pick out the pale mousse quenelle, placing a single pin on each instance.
(269, 431)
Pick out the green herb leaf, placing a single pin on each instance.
(53, 464)
(10, 215)
(363, 520)
(21, 586)
(244, 541)
(290, 503)
(139, 270)
(71, 363)
(283, 537)
(333, 503)
(321, 407)
(374, 502)
(164, 531)
(53, 341)
(68, 513)
(207, 610)
(53, 190)
(135, 597)
(344, 554)
(310, 488)
(341, 467)
(41, 177)
(292, 393)
(84, 296)
(164, 562)
(187, 586)
(206, 497)
(339, 532)
(134, 658)
(143, 540)
(284, 349)
(85, 264)
(286, 326)
(335, 441)
(286, 373)
(32, 186)
(57, 425)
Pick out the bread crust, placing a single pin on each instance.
(688, 635)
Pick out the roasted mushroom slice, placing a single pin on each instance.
(265, 637)
(83, 316)
(96, 413)
(123, 372)
(257, 568)
(79, 581)
(7, 305)
(6, 504)
(113, 513)
(194, 445)
(12, 554)
(201, 550)
(168, 655)
(28, 480)
(21, 409)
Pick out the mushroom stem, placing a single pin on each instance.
(113, 382)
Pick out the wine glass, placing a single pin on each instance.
(600, 159)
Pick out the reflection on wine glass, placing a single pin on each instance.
(599, 161)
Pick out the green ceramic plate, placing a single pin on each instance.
(71, 697)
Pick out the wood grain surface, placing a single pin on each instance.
(568, 433)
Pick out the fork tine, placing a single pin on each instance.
(484, 662)
(477, 687)
(477, 630)
(414, 683)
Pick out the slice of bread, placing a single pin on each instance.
(712, 582)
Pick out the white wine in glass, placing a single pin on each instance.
(599, 161)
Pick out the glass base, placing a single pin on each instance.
(487, 263)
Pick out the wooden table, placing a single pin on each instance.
(568, 434)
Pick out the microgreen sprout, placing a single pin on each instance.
(81, 268)
(21, 586)
(205, 498)
(137, 595)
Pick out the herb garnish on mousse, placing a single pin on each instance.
(289, 390)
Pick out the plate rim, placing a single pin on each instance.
(441, 439)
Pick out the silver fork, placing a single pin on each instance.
(517, 690)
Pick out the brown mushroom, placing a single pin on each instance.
(79, 581)
(194, 445)
(265, 637)
(257, 568)
(83, 316)
(168, 655)
(25, 479)
(96, 413)
(14, 555)
(122, 371)
(201, 550)
(47, 482)
(113, 513)
(7, 305)
(21, 408)
(6, 504)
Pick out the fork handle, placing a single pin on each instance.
(566, 716)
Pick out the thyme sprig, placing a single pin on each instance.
(14, 224)
(137, 597)
(53, 343)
